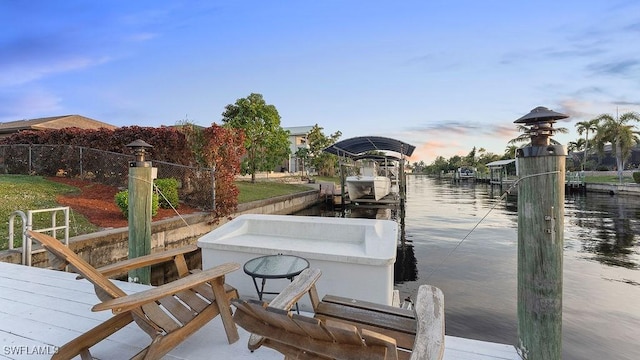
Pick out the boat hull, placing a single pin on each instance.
(368, 186)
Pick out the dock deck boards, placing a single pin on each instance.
(42, 309)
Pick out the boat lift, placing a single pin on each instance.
(364, 147)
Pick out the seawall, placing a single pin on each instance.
(108, 246)
(615, 189)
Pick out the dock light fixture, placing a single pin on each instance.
(139, 148)
(539, 123)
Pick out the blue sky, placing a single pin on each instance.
(441, 75)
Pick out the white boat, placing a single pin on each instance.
(368, 183)
(361, 186)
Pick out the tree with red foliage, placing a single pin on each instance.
(223, 150)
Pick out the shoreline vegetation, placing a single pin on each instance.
(24, 192)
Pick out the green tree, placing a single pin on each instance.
(575, 146)
(266, 142)
(438, 166)
(586, 127)
(419, 166)
(622, 136)
(194, 135)
(324, 163)
(303, 154)
(526, 137)
(510, 152)
(455, 162)
(470, 159)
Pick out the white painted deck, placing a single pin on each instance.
(42, 309)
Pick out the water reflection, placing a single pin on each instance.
(601, 263)
(603, 227)
(406, 266)
(606, 227)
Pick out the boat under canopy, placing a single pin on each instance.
(368, 183)
(369, 154)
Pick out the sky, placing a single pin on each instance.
(444, 76)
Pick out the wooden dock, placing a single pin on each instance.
(42, 309)
(574, 182)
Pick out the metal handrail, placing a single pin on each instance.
(27, 225)
(24, 226)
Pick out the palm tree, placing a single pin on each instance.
(510, 152)
(526, 137)
(575, 146)
(620, 134)
(585, 127)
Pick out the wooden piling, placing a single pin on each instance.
(140, 196)
(540, 249)
(540, 239)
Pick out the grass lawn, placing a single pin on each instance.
(266, 189)
(24, 192)
(334, 179)
(607, 179)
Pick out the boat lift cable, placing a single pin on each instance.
(164, 197)
(504, 194)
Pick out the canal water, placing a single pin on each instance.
(463, 239)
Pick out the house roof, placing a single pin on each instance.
(53, 122)
(356, 146)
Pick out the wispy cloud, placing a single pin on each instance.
(627, 103)
(24, 105)
(19, 74)
(97, 35)
(576, 52)
(449, 138)
(463, 128)
(633, 27)
(142, 36)
(429, 150)
(575, 109)
(618, 67)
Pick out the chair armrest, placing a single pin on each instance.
(301, 285)
(123, 267)
(126, 303)
(429, 308)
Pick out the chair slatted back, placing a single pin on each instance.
(296, 335)
(79, 264)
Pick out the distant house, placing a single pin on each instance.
(53, 122)
(297, 140)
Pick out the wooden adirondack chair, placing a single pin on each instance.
(344, 328)
(168, 313)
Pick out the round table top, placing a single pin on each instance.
(276, 266)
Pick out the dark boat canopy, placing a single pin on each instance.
(375, 157)
(356, 146)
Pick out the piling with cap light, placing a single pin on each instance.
(141, 175)
(541, 164)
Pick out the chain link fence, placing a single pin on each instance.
(196, 186)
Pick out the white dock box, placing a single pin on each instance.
(356, 256)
